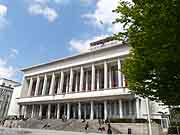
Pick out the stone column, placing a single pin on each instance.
(105, 110)
(81, 78)
(65, 109)
(25, 111)
(86, 80)
(71, 80)
(20, 110)
(79, 110)
(76, 87)
(30, 87)
(97, 79)
(37, 86)
(92, 110)
(110, 110)
(130, 108)
(125, 109)
(68, 111)
(51, 91)
(120, 109)
(44, 85)
(110, 78)
(137, 108)
(32, 113)
(61, 83)
(49, 111)
(119, 73)
(105, 75)
(93, 78)
(58, 111)
(67, 84)
(40, 111)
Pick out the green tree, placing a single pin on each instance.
(152, 30)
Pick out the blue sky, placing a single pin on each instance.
(38, 31)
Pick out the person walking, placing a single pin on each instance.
(109, 131)
(86, 127)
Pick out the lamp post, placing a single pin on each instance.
(148, 117)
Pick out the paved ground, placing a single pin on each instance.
(23, 131)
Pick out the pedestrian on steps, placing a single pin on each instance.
(109, 131)
(86, 127)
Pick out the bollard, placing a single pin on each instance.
(129, 131)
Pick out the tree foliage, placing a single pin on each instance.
(152, 30)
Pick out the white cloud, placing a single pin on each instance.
(62, 1)
(83, 45)
(52, 1)
(6, 71)
(39, 1)
(44, 8)
(48, 13)
(103, 16)
(3, 14)
(14, 52)
(87, 1)
(3, 10)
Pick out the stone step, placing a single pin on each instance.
(79, 126)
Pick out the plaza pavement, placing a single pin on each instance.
(26, 131)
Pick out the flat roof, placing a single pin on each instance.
(72, 56)
(18, 83)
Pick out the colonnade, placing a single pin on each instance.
(95, 76)
(84, 110)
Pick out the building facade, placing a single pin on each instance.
(14, 107)
(6, 91)
(89, 85)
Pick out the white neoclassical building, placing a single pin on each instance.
(88, 85)
(6, 90)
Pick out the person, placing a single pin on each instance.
(107, 121)
(86, 126)
(63, 118)
(84, 120)
(99, 121)
(109, 131)
(100, 128)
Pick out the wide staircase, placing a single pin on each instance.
(79, 126)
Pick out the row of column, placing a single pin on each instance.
(120, 111)
(121, 80)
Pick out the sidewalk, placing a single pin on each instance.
(26, 131)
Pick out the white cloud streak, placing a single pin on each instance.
(6, 71)
(103, 16)
(44, 8)
(3, 14)
(49, 13)
(13, 53)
